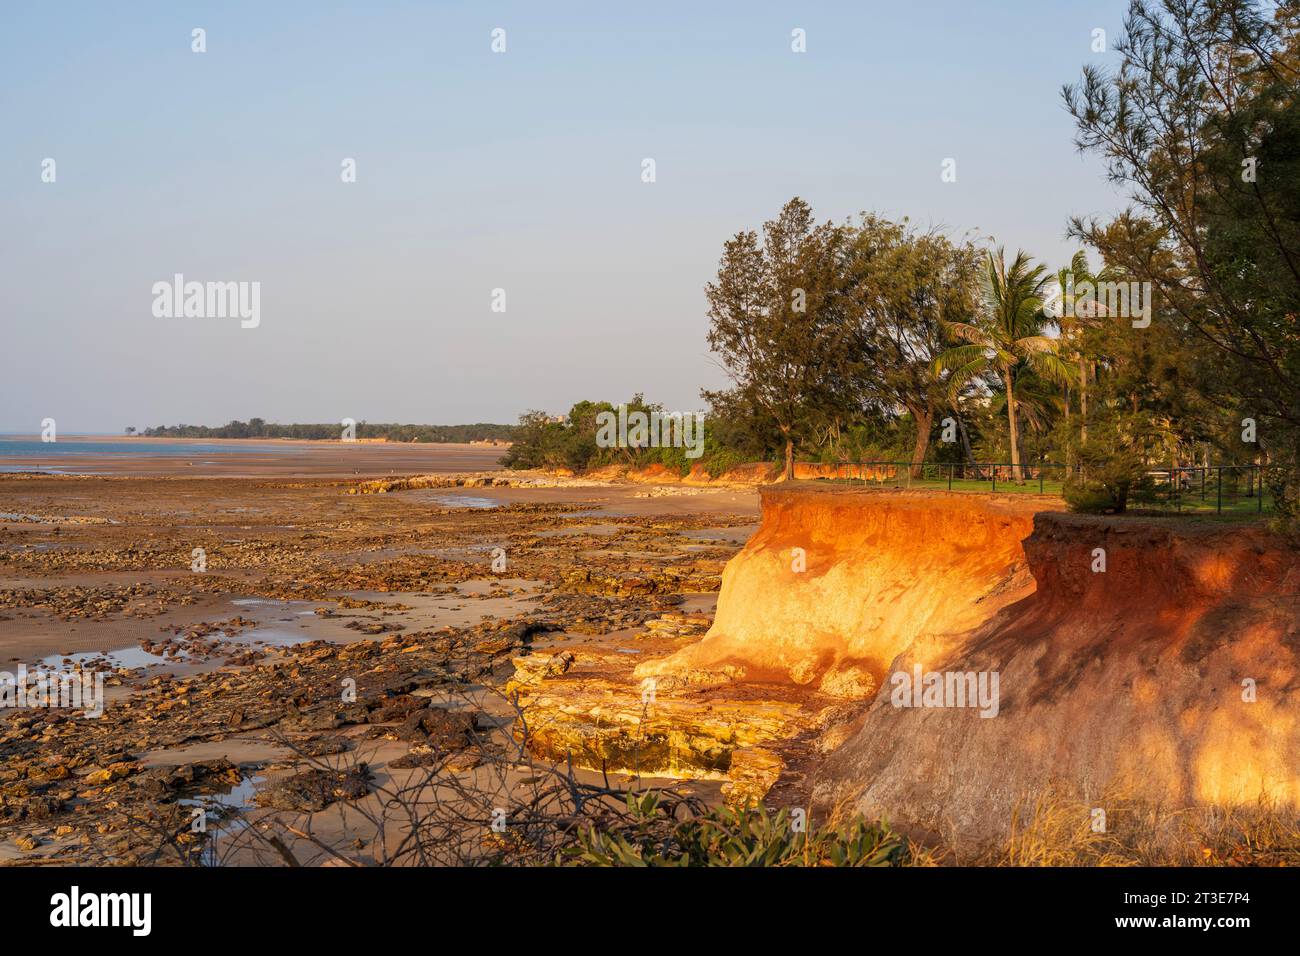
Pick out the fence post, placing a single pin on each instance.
(1259, 490)
(1218, 502)
(1040, 479)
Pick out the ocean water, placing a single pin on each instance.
(81, 448)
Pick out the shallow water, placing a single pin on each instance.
(27, 448)
(233, 797)
(263, 635)
(130, 657)
(465, 501)
(227, 805)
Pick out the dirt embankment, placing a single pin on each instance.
(838, 582)
(748, 475)
(1169, 677)
(751, 475)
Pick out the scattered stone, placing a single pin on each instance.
(315, 789)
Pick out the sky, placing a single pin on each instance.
(477, 171)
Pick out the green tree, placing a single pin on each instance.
(776, 314)
(906, 289)
(1202, 124)
(1078, 318)
(1006, 337)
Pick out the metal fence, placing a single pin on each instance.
(1190, 489)
(1225, 487)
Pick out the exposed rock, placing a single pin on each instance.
(439, 728)
(315, 789)
(536, 667)
(752, 773)
(592, 711)
(679, 625)
(164, 782)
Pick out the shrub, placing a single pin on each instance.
(1108, 490)
(727, 837)
(1110, 475)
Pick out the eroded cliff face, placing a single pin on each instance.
(1171, 678)
(837, 583)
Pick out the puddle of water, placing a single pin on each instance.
(237, 796)
(465, 501)
(272, 637)
(131, 657)
(224, 808)
(264, 635)
(706, 603)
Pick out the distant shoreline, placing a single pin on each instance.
(244, 441)
(246, 457)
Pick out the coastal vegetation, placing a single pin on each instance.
(1168, 341)
(259, 428)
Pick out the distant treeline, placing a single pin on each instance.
(258, 428)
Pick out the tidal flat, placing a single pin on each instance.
(286, 655)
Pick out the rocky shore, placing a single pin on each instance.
(280, 651)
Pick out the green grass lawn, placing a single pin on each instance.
(1235, 504)
(1030, 487)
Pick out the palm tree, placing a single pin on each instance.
(1006, 336)
(1076, 319)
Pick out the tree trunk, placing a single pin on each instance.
(1083, 401)
(1068, 456)
(924, 420)
(1016, 475)
(789, 459)
(968, 453)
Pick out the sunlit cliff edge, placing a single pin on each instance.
(1136, 679)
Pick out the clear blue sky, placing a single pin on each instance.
(476, 171)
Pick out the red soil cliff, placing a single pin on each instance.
(836, 583)
(1137, 679)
